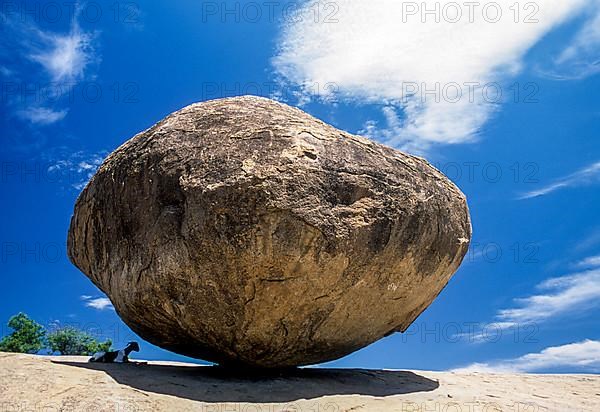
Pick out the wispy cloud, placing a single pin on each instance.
(580, 59)
(585, 176)
(557, 297)
(49, 61)
(560, 296)
(374, 53)
(99, 303)
(63, 56)
(5, 72)
(580, 356)
(42, 115)
(75, 169)
(592, 261)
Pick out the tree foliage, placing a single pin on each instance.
(27, 335)
(72, 341)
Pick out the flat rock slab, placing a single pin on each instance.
(246, 231)
(33, 383)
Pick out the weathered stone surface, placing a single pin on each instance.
(243, 230)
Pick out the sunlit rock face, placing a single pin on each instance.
(245, 231)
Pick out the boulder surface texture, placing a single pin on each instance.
(247, 232)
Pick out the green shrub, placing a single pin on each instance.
(27, 336)
(71, 341)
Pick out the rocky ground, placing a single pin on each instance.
(34, 383)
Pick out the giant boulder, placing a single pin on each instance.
(244, 231)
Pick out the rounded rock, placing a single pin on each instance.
(245, 231)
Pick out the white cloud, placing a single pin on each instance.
(561, 295)
(99, 303)
(58, 61)
(64, 56)
(372, 55)
(75, 169)
(583, 355)
(585, 176)
(558, 297)
(5, 71)
(580, 58)
(592, 261)
(42, 115)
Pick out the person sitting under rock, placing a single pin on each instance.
(120, 356)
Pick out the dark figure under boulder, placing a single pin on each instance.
(117, 356)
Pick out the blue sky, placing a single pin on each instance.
(78, 82)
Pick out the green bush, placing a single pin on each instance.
(27, 336)
(72, 341)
